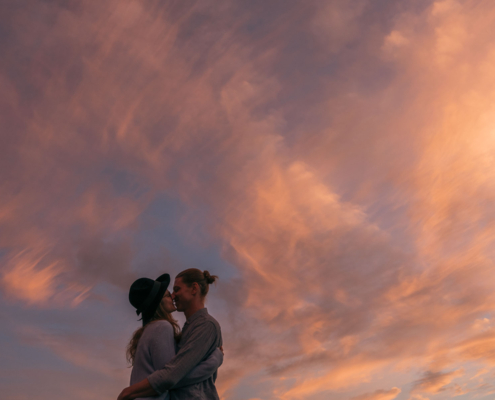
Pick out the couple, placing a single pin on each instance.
(166, 362)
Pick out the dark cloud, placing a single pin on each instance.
(434, 382)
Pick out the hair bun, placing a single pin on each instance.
(209, 278)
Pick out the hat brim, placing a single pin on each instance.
(150, 311)
(164, 278)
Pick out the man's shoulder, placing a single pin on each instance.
(212, 320)
(206, 318)
(206, 322)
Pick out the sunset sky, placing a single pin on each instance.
(332, 161)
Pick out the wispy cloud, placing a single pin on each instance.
(336, 157)
(380, 395)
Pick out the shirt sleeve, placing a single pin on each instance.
(203, 370)
(190, 354)
(161, 345)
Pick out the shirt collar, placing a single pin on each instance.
(203, 311)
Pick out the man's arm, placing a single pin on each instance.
(203, 370)
(199, 343)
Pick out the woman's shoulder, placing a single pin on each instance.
(159, 337)
(161, 327)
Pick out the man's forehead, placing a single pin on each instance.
(178, 281)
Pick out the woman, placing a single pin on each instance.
(155, 343)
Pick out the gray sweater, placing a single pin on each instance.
(201, 337)
(157, 347)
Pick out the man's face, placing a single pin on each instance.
(182, 295)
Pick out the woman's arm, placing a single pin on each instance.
(138, 390)
(203, 370)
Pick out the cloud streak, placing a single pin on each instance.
(335, 157)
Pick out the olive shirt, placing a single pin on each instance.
(156, 347)
(201, 336)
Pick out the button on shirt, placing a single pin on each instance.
(201, 335)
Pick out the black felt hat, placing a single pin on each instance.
(145, 295)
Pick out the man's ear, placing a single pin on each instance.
(195, 288)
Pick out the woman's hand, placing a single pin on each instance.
(221, 349)
(124, 395)
(140, 389)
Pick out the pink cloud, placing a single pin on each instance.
(380, 395)
(358, 217)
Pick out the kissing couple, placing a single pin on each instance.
(168, 363)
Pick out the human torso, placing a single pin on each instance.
(206, 389)
(147, 361)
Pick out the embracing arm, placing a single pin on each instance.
(203, 370)
(198, 345)
(140, 389)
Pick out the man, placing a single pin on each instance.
(201, 335)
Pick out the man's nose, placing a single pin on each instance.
(173, 296)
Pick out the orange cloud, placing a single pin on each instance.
(434, 382)
(32, 277)
(342, 158)
(380, 395)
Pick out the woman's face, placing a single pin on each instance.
(168, 303)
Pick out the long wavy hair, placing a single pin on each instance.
(160, 314)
